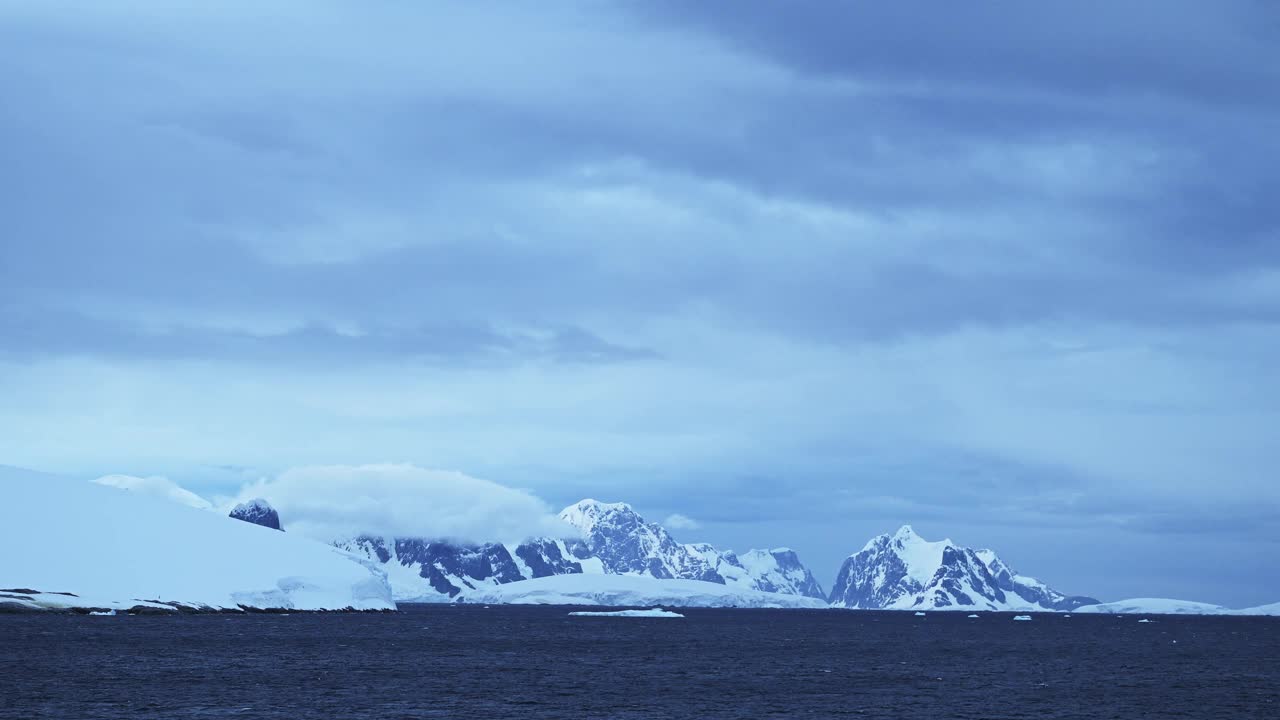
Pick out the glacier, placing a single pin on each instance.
(78, 545)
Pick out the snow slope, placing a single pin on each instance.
(1158, 606)
(1272, 609)
(117, 550)
(632, 591)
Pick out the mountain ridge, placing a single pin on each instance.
(611, 539)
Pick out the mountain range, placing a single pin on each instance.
(607, 554)
(898, 571)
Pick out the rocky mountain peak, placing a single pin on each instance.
(257, 512)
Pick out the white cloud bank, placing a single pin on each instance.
(337, 501)
(157, 487)
(681, 522)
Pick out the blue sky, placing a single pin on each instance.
(1010, 274)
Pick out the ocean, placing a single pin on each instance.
(442, 661)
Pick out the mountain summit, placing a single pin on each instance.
(903, 571)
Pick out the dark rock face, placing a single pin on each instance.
(258, 512)
(451, 568)
(544, 558)
(962, 580)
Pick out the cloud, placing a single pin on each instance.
(1031, 251)
(331, 502)
(156, 487)
(676, 521)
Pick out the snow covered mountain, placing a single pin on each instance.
(257, 512)
(904, 571)
(614, 540)
(73, 544)
(628, 545)
(633, 591)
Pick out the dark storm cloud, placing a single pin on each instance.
(1204, 53)
(1189, 204)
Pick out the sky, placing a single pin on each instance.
(793, 276)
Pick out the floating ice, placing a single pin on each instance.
(654, 613)
(919, 614)
(632, 591)
(1021, 617)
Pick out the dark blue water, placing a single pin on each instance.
(512, 662)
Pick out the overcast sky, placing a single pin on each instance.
(799, 274)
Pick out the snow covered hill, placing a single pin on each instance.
(633, 591)
(904, 571)
(1155, 606)
(1166, 606)
(1272, 609)
(73, 544)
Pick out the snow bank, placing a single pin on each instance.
(72, 544)
(1272, 609)
(654, 613)
(632, 591)
(1155, 606)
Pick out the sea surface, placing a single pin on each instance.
(537, 662)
